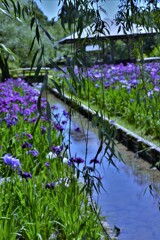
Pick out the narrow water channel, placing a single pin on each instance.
(131, 197)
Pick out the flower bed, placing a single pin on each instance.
(41, 197)
(129, 93)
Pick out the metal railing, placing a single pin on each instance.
(25, 72)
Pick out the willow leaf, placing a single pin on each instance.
(32, 44)
(34, 58)
(58, 88)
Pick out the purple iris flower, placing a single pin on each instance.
(25, 175)
(32, 120)
(77, 129)
(94, 160)
(59, 127)
(26, 145)
(57, 149)
(156, 89)
(11, 161)
(97, 75)
(26, 112)
(150, 93)
(106, 85)
(64, 122)
(50, 185)
(11, 121)
(56, 115)
(131, 100)
(29, 135)
(76, 160)
(65, 113)
(54, 107)
(34, 153)
(47, 164)
(43, 130)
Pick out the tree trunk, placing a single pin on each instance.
(4, 68)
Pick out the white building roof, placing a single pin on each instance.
(111, 31)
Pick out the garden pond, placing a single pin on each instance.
(131, 197)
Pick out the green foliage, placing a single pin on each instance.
(29, 24)
(52, 202)
(121, 50)
(76, 15)
(144, 13)
(37, 211)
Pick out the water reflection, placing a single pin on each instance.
(131, 197)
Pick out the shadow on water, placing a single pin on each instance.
(131, 197)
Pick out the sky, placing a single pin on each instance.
(50, 7)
